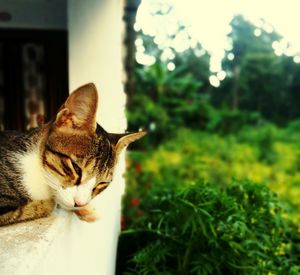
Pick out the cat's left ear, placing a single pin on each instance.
(79, 110)
(123, 140)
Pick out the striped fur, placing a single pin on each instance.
(67, 161)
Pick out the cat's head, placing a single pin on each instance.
(79, 156)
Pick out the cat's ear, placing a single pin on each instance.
(79, 110)
(121, 141)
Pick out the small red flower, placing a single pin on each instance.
(138, 168)
(135, 202)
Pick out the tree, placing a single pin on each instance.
(131, 7)
(244, 42)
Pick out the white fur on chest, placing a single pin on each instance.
(32, 176)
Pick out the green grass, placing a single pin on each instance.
(205, 203)
(205, 229)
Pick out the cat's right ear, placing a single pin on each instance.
(79, 110)
(121, 141)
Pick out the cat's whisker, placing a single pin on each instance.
(52, 181)
(64, 204)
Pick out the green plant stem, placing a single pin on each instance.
(186, 259)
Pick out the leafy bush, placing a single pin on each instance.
(226, 121)
(198, 228)
(237, 228)
(263, 138)
(164, 101)
(261, 155)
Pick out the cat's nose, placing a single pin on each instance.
(78, 203)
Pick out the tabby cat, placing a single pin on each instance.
(67, 161)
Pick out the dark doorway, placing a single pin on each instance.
(33, 76)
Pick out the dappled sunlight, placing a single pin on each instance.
(197, 15)
(214, 81)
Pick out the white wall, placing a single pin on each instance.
(35, 14)
(95, 55)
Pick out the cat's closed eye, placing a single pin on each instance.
(78, 171)
(99, 188)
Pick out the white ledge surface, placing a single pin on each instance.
(24, 245)
(63, 244)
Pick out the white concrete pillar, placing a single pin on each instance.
(95, 55)
(62, 244)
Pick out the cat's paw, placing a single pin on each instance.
(87, 213)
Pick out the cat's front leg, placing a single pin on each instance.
(30, 211)
(87, 213)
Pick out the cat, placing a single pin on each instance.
(67, 161)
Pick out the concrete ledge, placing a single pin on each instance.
(63, 244)
(23, 245)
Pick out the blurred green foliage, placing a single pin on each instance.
(199, 228)
(201, 204)
(165, 100)
(214, 188)
(257, 81)
(265, 154)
